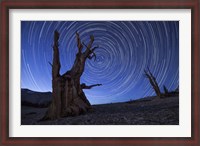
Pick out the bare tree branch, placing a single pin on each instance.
(79, 44)
(93, 56)
(84, 86)
(88, 47)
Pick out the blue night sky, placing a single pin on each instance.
(126, 48)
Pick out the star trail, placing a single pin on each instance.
(126, 48)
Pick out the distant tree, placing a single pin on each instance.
(156, 88)
(165, 89)
(68, 96)
(153, 82)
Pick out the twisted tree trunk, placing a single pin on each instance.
(68, 96)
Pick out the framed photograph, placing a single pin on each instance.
(100, 72)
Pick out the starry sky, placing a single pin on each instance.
(126, 48)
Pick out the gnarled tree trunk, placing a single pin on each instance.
(68, 96)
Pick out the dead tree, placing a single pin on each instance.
(153, 82)
(168, 93)
(165, 90)
(68, 96)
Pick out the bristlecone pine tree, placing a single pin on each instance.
(68, 96)
(156, 88)
(153, 82)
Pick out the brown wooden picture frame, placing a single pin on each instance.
(6, 5)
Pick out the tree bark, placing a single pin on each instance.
(68, 96)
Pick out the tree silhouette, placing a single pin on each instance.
(68, 96)
(153, 82)
(165, 90)
(156, 88)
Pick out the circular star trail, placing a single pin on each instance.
(126, 48)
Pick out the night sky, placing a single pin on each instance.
(126, 48)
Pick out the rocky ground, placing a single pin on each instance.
(146, 111)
